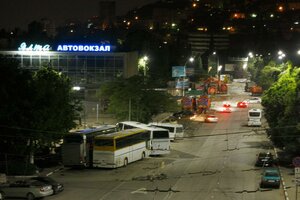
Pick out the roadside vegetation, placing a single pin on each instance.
(136, 99)
(281, 101)
(37, 109)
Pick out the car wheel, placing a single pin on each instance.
(30, 196)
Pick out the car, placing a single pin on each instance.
(29, 189)
(226, 105)
(211, 118)
(270, 178)
(183, 114)
(56, 186)
(264, 159)
(254, 100)
(242, 104)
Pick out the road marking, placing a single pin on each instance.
(139, 191)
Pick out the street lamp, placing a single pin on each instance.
(142, 65)
(191, 59)
(281, 55)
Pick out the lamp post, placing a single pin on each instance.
(217, 61)
(191, 59)
(142, 65)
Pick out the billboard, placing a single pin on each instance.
(178, 71)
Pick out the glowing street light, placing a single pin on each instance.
(281, 55)
(142, 65)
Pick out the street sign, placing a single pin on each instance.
(296, 161)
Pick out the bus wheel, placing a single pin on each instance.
(125, 162)
(143, 156)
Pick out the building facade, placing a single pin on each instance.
(88, 66)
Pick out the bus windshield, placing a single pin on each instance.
(104, 142)
(160, 134)
(254, 114)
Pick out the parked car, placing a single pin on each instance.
(211, 118)
(264, 159)
(242, 104)
(56, 186)
(183, 114)
(270, 178)
(29, 189)
(254, 100)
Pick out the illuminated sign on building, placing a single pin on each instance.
(85, 48)
(33, 47)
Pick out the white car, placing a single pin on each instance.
(254, 100)
(29, 189)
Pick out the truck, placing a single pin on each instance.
(256, 90)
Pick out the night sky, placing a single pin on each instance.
(19, 13)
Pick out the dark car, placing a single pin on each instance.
(264, 159)
(183, 114)
(57, 187)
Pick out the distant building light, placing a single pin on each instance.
(272, 15)
(136, 17)
(253, 15)
(76, 88)
(280, 8)
(296, 23)
(173, 25)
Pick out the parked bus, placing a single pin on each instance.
(120, 148)
(254, 117)
(159, 139)
(175, 130)
(77, 147)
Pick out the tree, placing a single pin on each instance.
(280, 103)
(134, 99)
(36, 108)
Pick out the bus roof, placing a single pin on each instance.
(93, 129)
(120, 134)
(142, 125)
(255, 110)
(165, 124)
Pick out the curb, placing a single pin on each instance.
(286, 196)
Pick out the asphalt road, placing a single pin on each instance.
(212, 161)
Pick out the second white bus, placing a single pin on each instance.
(175, 130)
(254, 117)
(159, 138)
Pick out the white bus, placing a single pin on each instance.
(77, 147)
(159, 139)
(175, 130)
(120, 148)
(254, 117)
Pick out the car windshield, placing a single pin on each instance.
(272, 174)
